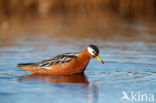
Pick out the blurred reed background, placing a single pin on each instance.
(104, 19)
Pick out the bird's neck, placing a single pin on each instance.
(85, 54)
(84, 58)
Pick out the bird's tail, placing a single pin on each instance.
(26, 64)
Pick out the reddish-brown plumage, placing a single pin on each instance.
(76, 65)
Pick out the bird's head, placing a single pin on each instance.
(94, 51)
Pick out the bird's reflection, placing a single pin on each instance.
(91, 90)
(57, 78)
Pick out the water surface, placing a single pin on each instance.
(129, 66)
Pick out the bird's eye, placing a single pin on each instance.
(94, 52)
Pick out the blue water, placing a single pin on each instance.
(129, 67)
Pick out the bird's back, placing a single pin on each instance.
(60, 59)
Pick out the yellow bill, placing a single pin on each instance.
(98, 58)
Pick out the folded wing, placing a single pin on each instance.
(64, 58)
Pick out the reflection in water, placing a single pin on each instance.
(92, 89)
(57, 78)
(94, 92)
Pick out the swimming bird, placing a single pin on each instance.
(68, 63)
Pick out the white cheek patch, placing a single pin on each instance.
(90, 50)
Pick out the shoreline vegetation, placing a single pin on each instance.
(79, 18)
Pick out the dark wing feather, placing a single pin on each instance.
(64, 58)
